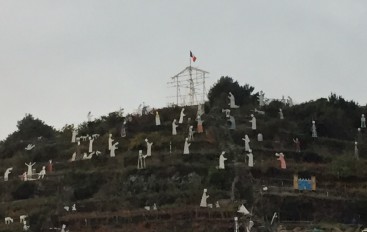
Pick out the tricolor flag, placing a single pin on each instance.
(192, 56)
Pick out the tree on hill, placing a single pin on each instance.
(29, 128)
(243, 94)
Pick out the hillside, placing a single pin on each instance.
(111, 193)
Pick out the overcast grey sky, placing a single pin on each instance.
(61, 59)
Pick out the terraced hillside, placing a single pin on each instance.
(110, 193)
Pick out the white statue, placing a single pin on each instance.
(313, 129)
(191, 133)
(42, 173)
(242, 209)
(29, 172)
(227, 112)
(356, 153)
(247, 142)
(250, 225)
(253, 122)
(95, 136)
(7, 172)
(141, 160)
(260, 137)
(273, 218)
(113, 148)
(84, 137)
(88, 157)
(363, 121)
(203, 202)
(123, 129)
(63, 228)
(232, 103)
(90, 144)
(232, 123)
(25, 227)
(22, 218)
(24, 176)
(261, 98)
(250, 159)
(73, 136)
(281, 114)
(182, 115)
(259, 111)
(73, 157)
(157, 119)
(217, 204)
(8, 220)
(174, 126)
(149, 147)
(290, 101)
(221, 160)
(186, 147)
(29, 147)
(67, 208)
(89, 116)
(73, 208)
(110, 140)
(154, 206)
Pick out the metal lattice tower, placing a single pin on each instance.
(190, 86)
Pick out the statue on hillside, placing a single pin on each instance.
(260, 137)
(247, 142)
(363, 121)
(7, 172)
(123, 129)
(90, 149)
(191, 133)
(29, 147)
(261, 98)
(281, 116)
(221, 160)
(314, 130)
(203, 202)
(110, 140)
(174, 126)
(232, 123)
(282, 160)
(73, 136)
(250, 159)
(297, 144)
(42, 173)
(157, 119)
(182, 115)
(30, 172)
(113, 148)
(49, 166)
(253, 122)
(186, 147)
(242, 209)
(149, 147)
(290, 101)
(141, 160)
(227, 112)
(232, 103)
